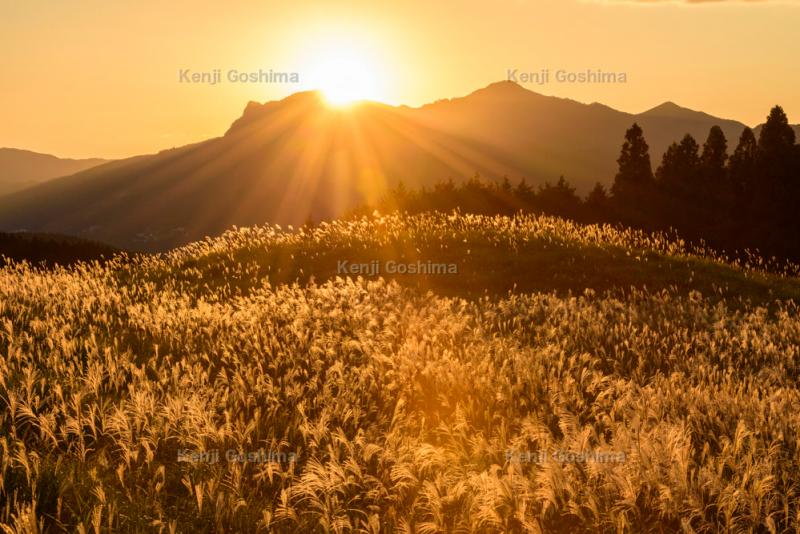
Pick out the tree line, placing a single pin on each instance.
(749, 199)
(51, 249)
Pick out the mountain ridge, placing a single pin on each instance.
(21, 168)
(289, 160)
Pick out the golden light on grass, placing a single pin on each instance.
(124, 386)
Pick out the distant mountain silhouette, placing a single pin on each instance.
(672, 110)
(290, 160)
(22, 168)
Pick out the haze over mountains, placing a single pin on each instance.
(22, 168)
(290, 160)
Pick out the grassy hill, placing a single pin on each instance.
(565, 379)
(492, 255)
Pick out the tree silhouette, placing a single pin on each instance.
(559, 199)
(777, 137)
(742, 171)
(524, 193)
(633, 192)
(597, 204)
(597, 196)
(713, 174)
(678, 172)
(678, 178)
(635, 173)
(506, 187)
(774, 192)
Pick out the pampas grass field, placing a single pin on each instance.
(568, 379)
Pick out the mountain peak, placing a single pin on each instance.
(255, 111)
(667, 107)
(302, 96)
(671, 109)
(505, 86)
(504, 89)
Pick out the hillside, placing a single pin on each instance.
(493, 255)
(22, 168)
(647, 388)
(290, 160)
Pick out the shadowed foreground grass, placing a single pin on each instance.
(493, 256)
(365, 404)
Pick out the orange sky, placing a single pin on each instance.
(103, 79)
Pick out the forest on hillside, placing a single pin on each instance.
(744, 200)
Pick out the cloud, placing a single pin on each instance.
(703, 1)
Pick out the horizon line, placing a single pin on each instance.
(344, 109)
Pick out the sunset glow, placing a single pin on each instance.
(357, 266)
(345, 77)
(410, 53)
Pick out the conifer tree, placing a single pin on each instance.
(635, 174)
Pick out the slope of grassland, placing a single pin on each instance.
(493, 255)
(621, 399)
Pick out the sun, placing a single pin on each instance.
(346, 76)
